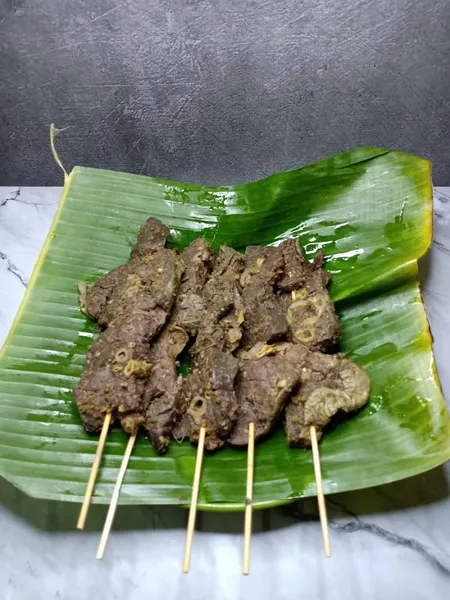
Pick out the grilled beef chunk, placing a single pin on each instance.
(152, 235)
(155, 280)
(162, 393)
(223, 312)
(95, 302)
(189, 307)
(265, 316)
(310, 312)
(209, 399)
(162, 389)
(116, 367)
(135, 307)
(154, 303)
(329, 384)
(154, 271)
(264, 383)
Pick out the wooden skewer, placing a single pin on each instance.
(194, 499)
(115, 497)
(320, 494)
(249, 497)
(94, 472)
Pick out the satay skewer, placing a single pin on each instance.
(320, 494)
(115, 496)
(249, 497)
(94, 471)
(194, 499)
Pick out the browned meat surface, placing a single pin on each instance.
(154, 271)
(310, 311)
(116, 368)
(180, 428)
(134, 302)
(155, 278)
(265, 317)
(198, 258)
(209, 399)
(223, 312)
(271, 304)
(265, 381)
(97, 300)
(298, 272)
(329, 384)
(162, 395)
(152, 236)
(162, 389)
(189, 307)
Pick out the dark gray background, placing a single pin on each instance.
(219, 91)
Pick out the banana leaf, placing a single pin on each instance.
(370, 210)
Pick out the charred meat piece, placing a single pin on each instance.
(116, 368)
(329, 384)
(310, 312)
(162, 389)
(209, 399)
(223, 312)
(189, 306)
(265, 381)
(265, 317)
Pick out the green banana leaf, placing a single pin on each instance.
(370, 210)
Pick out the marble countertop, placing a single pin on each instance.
(391, 542)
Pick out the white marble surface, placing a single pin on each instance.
(388, 543)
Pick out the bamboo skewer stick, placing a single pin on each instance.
(194, 499)
(320, 494)
(115, 497)
(249, 497)
(94, 472)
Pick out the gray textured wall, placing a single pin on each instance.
(219, 91)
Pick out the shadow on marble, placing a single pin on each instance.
(421, 490)
(428, 488)
(54, 516)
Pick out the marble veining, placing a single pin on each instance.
(390, 542)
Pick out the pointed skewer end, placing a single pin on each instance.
(194, 499)
(94, 472)
(249, 498)
(115, 496)
(320, 494)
